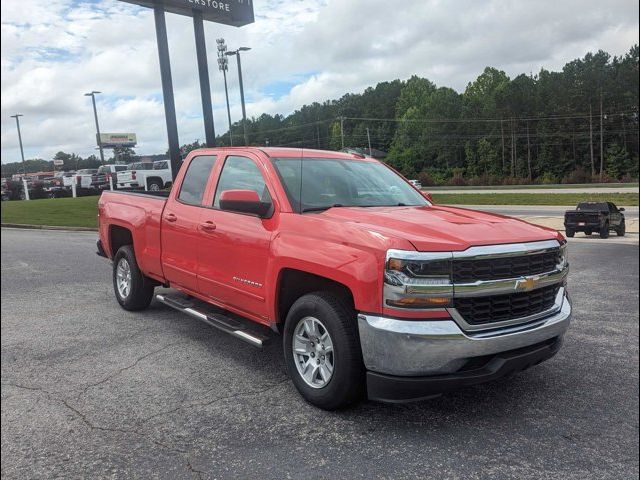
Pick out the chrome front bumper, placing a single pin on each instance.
(436, 347)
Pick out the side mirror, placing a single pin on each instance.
(621, 209)
(428, 196)
(244, 201)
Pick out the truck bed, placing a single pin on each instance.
(139, 213)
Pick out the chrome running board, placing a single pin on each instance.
(200, 311)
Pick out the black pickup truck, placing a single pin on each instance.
(590, 217)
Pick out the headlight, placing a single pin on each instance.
(417, 283)
(563, 257)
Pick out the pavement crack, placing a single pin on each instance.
(114, 374)
(197, 473)
(26, 387)
(197, 404)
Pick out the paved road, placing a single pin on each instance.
(538, 210)
(89, 390)
(612, 189)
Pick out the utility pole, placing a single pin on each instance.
(244, 112)
(17, 117)
(502, 137)
(601, 140)
(513, 150)
(529, 153)
(593, 165)
(342, 131)
(93, 94)
(369, 140)
(223, 66)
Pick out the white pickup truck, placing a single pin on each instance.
(153, 176)
(84, 178)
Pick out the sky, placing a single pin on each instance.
(54, 51)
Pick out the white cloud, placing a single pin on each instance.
(323, 48)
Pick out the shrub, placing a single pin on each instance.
(579, 175)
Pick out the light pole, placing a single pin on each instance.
(223, 65)
(17, 117)
(93, 94)
(244, 113)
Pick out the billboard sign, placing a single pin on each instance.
(112, 140)
(228, 12)
(57, 162)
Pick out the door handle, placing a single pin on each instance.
(170, 217)
(208, 226)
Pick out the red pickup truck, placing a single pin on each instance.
(375, 290)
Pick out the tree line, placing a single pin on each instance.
(576, 125)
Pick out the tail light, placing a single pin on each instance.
(133, 175)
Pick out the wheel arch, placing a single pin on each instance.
(119, 236)
(294, 283)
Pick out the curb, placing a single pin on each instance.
(47, 227)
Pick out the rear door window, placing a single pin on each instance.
(195, 180)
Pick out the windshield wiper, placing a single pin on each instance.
(321, 209)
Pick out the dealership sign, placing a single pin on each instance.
(114, 140)
(229, 12)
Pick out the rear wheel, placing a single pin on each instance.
(604, 231)
(322, 351)
(133, 290)
(154, 185)
(588, 232)
(570, 233)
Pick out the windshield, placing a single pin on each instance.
(316, 184)
(590, 207)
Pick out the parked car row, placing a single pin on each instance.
(153, 176)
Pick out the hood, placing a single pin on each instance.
(436, 228)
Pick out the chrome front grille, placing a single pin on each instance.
(468, 271)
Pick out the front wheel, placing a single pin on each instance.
(322, 351)
(133, 290)
(622, 229)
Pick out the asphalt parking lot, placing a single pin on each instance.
(89, 390)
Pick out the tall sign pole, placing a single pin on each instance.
(231, 12)
(167, 89)
(205, 87)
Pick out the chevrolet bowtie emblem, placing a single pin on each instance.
(527, 284)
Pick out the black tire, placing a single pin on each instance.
(140, 293)
(588, 232)
(570, 233)
(346, 385)
(622, 229)
(604, 231)
(154, 185)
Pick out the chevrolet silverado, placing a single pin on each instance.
(374, 289)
